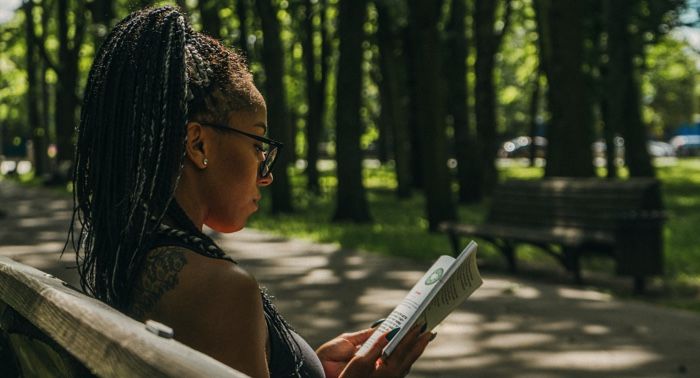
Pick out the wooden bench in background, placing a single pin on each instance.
(52, 330)
(568, 217)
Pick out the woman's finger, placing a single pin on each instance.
(359, 337)
(401, 351)
(418, 349)
(364, 365)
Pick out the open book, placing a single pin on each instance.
(448, 283)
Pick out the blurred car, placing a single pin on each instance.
(660, 149)
(519, 148)
(686, 145)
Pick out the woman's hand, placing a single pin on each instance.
(338, 355)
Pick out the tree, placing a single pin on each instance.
(273, 61)
(38, 129)
(210, 20)
(569, 133)
(430, 114)
(242, 13)
(102, 12)
(457, 48)
(487, 42)
(351, 201)
(388, 40)
(66, 68)
(316, 72)
(623, 89)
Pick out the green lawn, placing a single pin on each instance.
(400, 227)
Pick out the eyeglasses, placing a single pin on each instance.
(269, 149)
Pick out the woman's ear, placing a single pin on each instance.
(197, 145)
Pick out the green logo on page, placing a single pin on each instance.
(434, 276)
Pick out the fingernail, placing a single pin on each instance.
(432, 336)
(392, 333)
(377, 323)
(424, 327)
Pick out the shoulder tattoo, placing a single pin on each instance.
(158, 276)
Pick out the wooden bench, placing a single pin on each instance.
(568, 217)
(52, 330)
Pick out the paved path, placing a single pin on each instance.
(511, 327)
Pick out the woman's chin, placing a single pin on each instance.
(226, 228)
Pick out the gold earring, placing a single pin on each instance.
(205, 162)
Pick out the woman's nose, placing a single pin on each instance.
(265, 181)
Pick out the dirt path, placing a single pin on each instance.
(511, 327)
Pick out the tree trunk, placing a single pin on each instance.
(102, 15)
(390, 66)
(533, 110)
(484, 95)
(351, 198)
(210, 20)
(623, 89)
(66, 87)
(38, 129)
(410, 86)
(242, 13)
(314, 94)
(570, 131)
(457, 48)
(429, 112)
(273, 62)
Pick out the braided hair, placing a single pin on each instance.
(151, 76)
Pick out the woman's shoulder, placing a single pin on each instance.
(213, 306)
(174, 276)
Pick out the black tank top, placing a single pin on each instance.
(281, 362)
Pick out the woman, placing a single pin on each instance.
(171, 138)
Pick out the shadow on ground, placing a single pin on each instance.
(511, 327)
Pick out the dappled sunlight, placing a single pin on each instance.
(595, 360)
(517, 340)
(510, 327)
(588, 295)
(595, 329)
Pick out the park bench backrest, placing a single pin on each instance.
(52, 329)
(585, 203)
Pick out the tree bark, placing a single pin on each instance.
(273, 62)
(410, 87)
(351, 198)
(210, 20)
(102, 15)
(388, 39)
(243, 34)
(623, 89)
(66, 97)
(430, 114)
(37, 127)
(457, 48)
(570, 131)
(314, 98)
(487, 43)
(534, 108)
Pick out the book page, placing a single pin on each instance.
(465, 280)
(458, 283)
(411, 303)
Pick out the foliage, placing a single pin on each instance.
(670, 85)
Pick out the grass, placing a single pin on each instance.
(400, 227)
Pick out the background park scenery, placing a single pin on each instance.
(399, 115)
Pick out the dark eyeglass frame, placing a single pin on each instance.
(270, 156)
